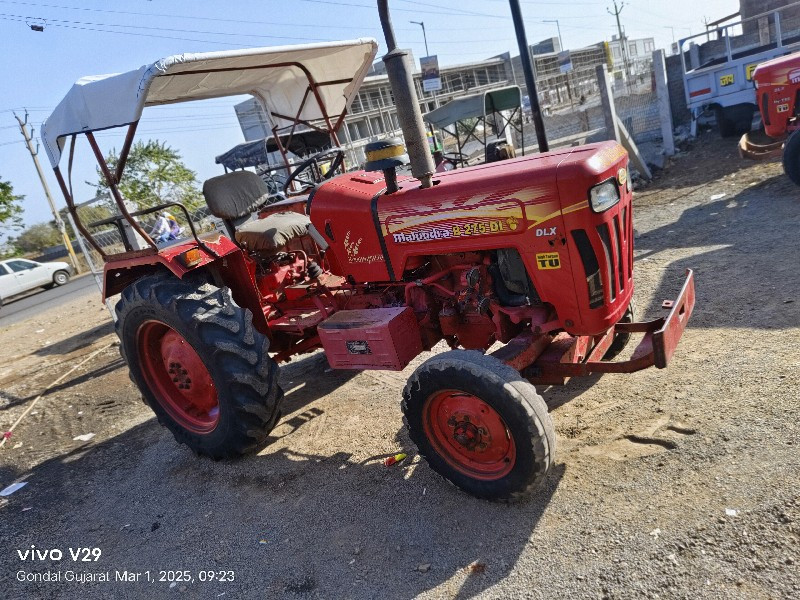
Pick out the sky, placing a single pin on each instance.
(89, 37)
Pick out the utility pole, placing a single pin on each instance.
(621, 39)
(558, 26)
(23, 127)
(527, 69)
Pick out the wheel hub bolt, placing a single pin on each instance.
(466, 434)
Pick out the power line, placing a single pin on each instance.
(133, 33)
(412, 10)
(188, 17)
(51, 21)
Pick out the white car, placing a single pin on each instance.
(18, 275)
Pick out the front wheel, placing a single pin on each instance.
(60, 277)
(480, 425)
(199, 363)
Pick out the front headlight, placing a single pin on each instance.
(604, 195)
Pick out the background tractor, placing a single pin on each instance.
(523, 267)
(777, 87)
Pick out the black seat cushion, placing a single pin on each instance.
(273, 232)
(235, 195)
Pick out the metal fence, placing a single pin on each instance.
(573, 115)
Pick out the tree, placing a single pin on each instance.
(10, 207)
(154, 174)
(36, 238)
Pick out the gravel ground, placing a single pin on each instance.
(681, 483)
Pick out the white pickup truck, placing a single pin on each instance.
(19, 275)
(718, 73)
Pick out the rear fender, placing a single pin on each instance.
(229, 268)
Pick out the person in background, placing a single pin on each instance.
(161, 229)
(175, 229)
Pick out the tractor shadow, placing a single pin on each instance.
(556, 396)
(288, 523)
(745, 261)
(77, 341)
(304, 381)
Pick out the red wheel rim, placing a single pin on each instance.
(178, 378)
(469, 434)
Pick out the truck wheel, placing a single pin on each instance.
(735, 119)
(791, 157)
(727, 127)
(199, 363)
(621, 339)
(60, 278)
(480, 425)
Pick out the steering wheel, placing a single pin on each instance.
(316, 177)
(456, 159)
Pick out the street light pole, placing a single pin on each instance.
(427, 53)
(424, 35)
(558, 26)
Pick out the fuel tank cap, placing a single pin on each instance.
(385, 154)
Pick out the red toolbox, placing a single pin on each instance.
(375, 338)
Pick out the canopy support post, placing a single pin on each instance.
(126, 148)
(112, 184)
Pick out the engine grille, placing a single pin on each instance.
(607, 256)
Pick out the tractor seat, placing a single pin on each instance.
(235, 196)
(273, 232)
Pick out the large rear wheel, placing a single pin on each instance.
(480, 425)
(199, 363)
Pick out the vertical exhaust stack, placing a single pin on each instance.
(399, 70)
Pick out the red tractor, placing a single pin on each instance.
(777, 84)
(532, 256)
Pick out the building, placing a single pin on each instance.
(558, 86)
(373, 114)
(752, 8)
(639, 53)
(546, 46)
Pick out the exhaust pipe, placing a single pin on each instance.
(399, 70)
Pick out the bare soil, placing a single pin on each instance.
(676, 483)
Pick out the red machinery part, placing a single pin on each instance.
(534, 205)
(178, 377)
(568, 356)
(777, 82)
(469, 434)
(374, 338)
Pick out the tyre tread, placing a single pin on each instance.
(212, 316)
(538, 421)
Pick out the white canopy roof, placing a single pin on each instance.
(272, 75)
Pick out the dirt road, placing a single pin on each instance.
(680, 483)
